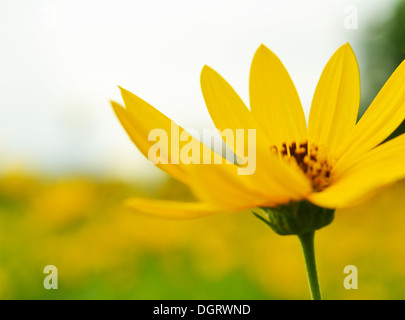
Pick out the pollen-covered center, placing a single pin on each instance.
(312, 160)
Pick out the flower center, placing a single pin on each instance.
(312, 160)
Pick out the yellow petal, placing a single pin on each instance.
(228, 111)
(174, 209)
(221, 184)
(140, 118)
(375, 170)
(336, 100)
(274, 101)
(138, 130)
(226, 108)
(383, 116)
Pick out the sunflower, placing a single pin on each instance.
(302, 172)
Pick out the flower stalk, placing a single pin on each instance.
(307, 244)
(302, 219)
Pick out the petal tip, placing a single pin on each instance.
(206, 69)
(116, 105)
(206, 73)
(123, 91)
(262, 49)
(346, 48)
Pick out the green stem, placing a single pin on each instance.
(307, 243)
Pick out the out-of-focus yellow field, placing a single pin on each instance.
(105, 251)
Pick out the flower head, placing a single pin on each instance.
(335, 162)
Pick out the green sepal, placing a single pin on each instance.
(296, 218)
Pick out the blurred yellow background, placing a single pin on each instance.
(103, 251)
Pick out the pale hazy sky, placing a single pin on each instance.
(61, 62)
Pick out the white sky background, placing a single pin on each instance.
(61, 62)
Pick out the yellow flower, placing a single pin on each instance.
(334, 163)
